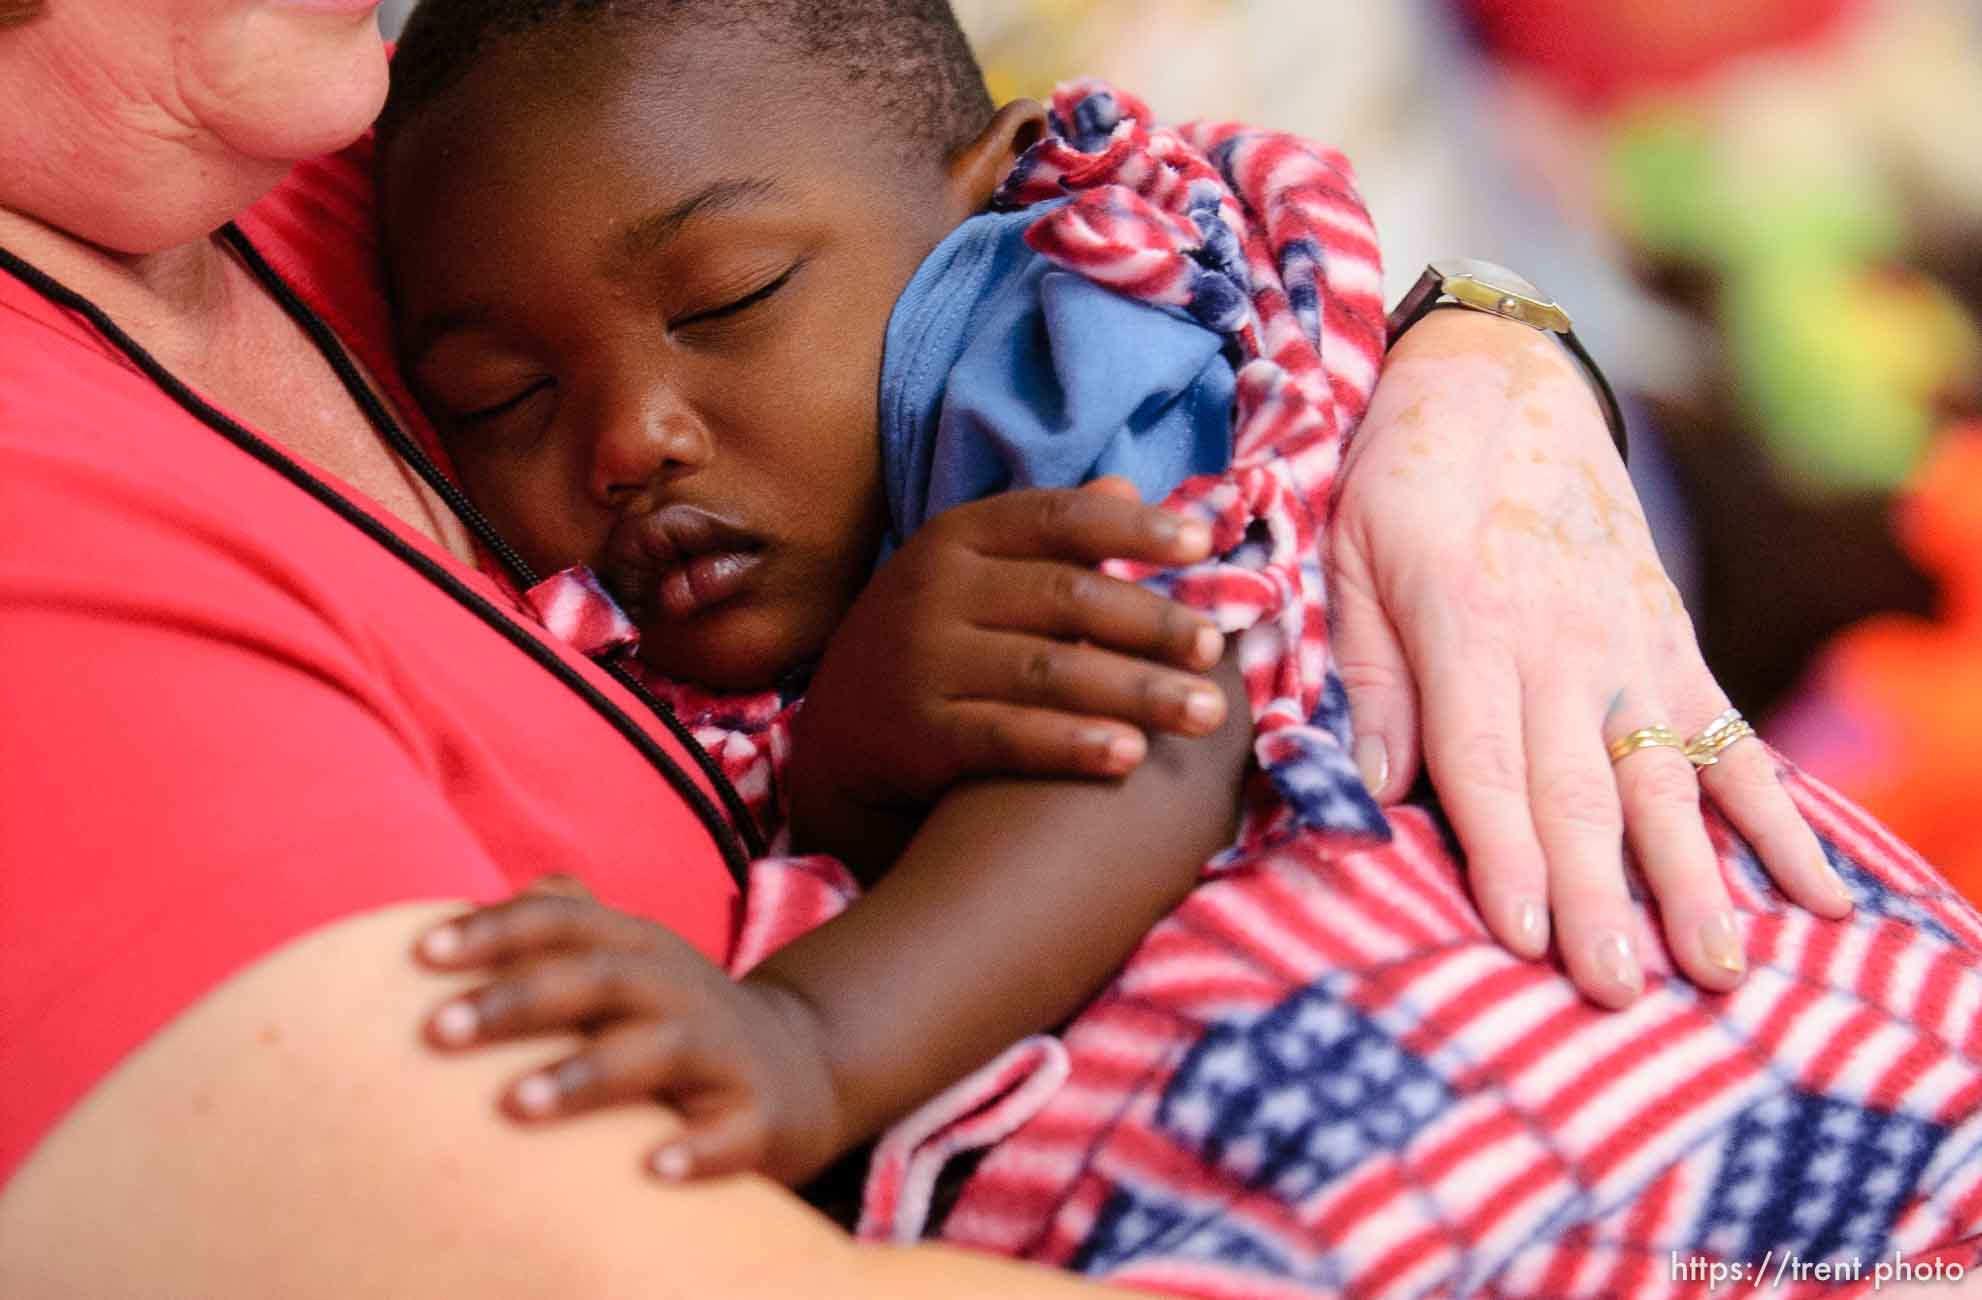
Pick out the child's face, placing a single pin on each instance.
(643, 293)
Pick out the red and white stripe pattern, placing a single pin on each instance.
(1320, 1076)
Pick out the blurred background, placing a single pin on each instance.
(1766, 218)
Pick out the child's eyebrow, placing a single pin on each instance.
(649, 234)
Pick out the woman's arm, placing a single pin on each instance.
(288, 1136)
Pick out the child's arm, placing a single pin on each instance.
(1014, 901)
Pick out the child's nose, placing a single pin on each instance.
(647, 441)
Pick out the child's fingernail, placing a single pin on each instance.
(536, 1095)
(1373, 762)
(671, 1163)
(1202, 708)
(1721, 942)
(456, 1023)
(443, 943)
(1207, 646)
(1125, 751)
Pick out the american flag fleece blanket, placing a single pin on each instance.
(1321, 1076)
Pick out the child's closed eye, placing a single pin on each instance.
(723, 312)
(502, 406)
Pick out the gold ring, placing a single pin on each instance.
(1653, 737)
(1704, 750)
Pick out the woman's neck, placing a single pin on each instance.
(178, 297)
(198, 311)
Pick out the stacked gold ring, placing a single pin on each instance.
(1653, 737)
(1704, 750)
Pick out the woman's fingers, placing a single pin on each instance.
(1074, 603)
(1745, 783)
(1668, 836)
(1580, 822)
(1376, 672)
(1474, 749)
(1746, 786)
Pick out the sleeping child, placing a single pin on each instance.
(813, 379)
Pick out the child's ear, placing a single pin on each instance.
(977, 169)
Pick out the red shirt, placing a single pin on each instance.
(228, 716)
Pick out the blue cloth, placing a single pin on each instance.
(1002, 371)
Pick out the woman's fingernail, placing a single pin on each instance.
(456, 1023)
(443, 943)
(1373, 762)
(536, 1095)
(1531, 924)
(1208, 645)
(1839, 890)
(1193, 535)
(1202, 708)
(671, 1163)
(1617, 964)
(1720, 940)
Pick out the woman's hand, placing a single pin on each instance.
(743, 1063)
(989, 645)
(1495, 592)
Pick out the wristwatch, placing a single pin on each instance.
(1482, 286)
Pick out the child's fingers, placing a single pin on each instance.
(730, 1140)
(1086, 681)
(634, 1059)
(559, 884)
(532, 923)
(1071, 524)
(987, 737)
(725, 1128)
(557, 993)
(1075, 603)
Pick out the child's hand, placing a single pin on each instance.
(743, 1063)
(989, 645)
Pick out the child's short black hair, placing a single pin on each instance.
(909, 56)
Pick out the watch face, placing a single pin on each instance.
(1489, 288)
(1487, 273)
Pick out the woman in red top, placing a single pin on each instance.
(266, 719)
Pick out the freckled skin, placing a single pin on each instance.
(1609, 509)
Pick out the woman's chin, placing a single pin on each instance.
(294, 81)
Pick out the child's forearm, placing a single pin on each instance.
(1012, 904)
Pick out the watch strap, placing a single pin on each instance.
(1430, 294)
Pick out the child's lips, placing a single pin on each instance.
(678, 561)
(703, 581)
